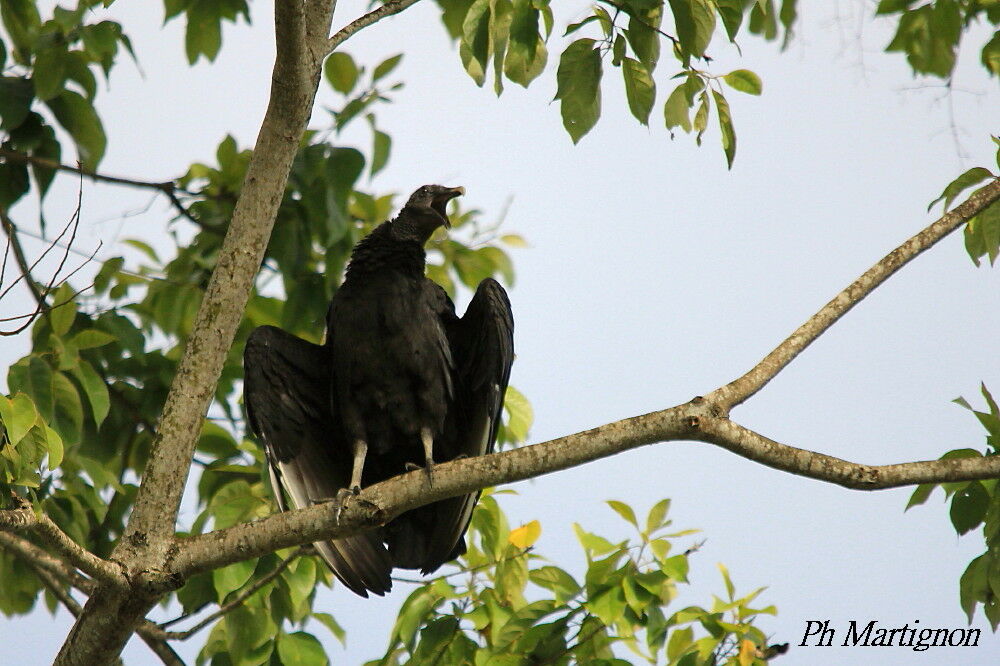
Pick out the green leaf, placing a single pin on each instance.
(695, 21)
(501, 13)
(341, 72)
(49, 72)
(744, 80)
(966, 180)
(726, 127)
(16, 95)
(520, 416)
(730, 589)
(974, 584)
(514, 240)
(526, 52)
(20, 18)
(592, 543)
(230, 578)
(94, 388)
(413, 614)
(968, 507)
(640, 89)
(90, 338)
(39, 386)
(701, 118)
(625, 511)
(55, 446)
(579, 87)
(657, 515)
(982, 234)
(327, 620)
(77, 116)
(14, 183)
(49, 148)
(203, 35)
(892, 6)
(920, 495)
(300, 649)
(643, 37)
(929, 36)
(68, 415)
(381, 145)
(63, 310)
(386, 66)
(731, 13)
(552, 578)
(18, 415)
(475, 45)
(991, 55)
(675, 110)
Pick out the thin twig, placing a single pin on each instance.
(22, 262)
(388, 9)
(16, 156)
(236, 601)
(464, 570)
(167, 187)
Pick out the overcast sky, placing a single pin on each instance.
(655, 275)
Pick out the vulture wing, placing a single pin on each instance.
(286, 391)
(482, 349)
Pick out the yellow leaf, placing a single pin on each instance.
(747, 652)
(525, 535)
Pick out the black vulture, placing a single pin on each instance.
(400, 382)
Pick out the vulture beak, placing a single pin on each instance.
(441, 201)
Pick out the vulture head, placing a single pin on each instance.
(424, 212)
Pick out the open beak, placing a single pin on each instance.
(441, 202)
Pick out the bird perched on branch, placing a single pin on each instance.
(401, 382)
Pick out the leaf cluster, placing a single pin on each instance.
(507, 605)
(975, 503)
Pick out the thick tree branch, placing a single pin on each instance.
(739, 390)
(390, 8)
(697, 420)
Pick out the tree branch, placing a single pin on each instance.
(168, 187)
(697, 420)
(856, 476)
(29, 552)
(739, 390)
(22, 262)
(24, 518)
(390, 8)
(233, 603)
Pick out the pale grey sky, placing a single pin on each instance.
(656, 275)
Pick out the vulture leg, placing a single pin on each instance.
(428, 439)
(360, 451)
